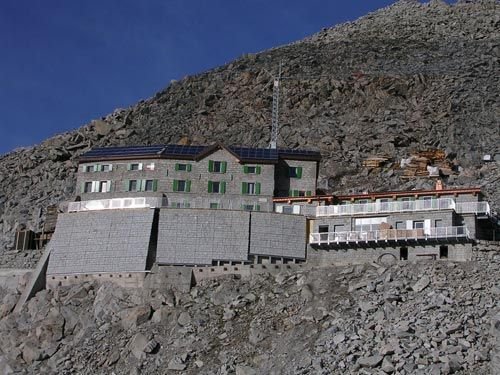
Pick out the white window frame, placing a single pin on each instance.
(251, 188)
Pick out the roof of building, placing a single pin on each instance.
(188, 152)
(378, 195)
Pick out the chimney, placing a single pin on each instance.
(439, 185)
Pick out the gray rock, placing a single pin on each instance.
(371, 361)
(421, 284)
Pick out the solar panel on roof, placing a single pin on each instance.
(255, 153)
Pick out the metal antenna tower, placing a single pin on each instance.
(275, 115)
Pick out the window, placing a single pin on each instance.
(252, 169)
(323, 229)
(287, 209)
(150, 167)
(400, 225)
(369, 223)
(406, 203)
(295, 172)
(384, 204)
(418, 225)
(180, 204)
(135, 167)
(132, 185)
(105, 167)
(89, 168)
(183, 167)
(182, 186)
(428, 202)
(299, 193)
(217, 166)
(217, 187)
(149, 185)
(104, 186)
(141, 185)
(250, 188)
(87, 187)
(214, 205)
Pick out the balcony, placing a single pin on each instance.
(478, 208)
(115, 204)
(386, 207)
(386, 235)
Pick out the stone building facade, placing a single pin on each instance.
(198, 176)
(403, 225)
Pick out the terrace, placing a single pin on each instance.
(389, 235)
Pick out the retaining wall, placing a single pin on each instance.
(342, 256)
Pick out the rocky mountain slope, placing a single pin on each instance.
(409, 77)
(423, 318)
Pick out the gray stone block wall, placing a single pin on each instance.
(278, 235)
(359, 255)
(307, 182)
(194, 236)
(101, 241)
(198, 196)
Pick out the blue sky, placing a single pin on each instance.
(64, 63)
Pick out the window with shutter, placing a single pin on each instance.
(257, 188)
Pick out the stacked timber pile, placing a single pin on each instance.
(375, 161)
(426, 163)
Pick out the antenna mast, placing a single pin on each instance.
(275, 115)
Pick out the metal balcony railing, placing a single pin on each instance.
(386, 207)
(389, 235)
(114, 204)
(473, 208)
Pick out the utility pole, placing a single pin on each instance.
(275, 114)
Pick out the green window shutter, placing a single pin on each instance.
(129, 167)
(83, 187)
(189, 167)
(224, 166)
(188, 186)
(96, 168)
(290, 193)
(176, 166)
(210, 186)
(126, 185)
(110, 186)
(258, 169)
(174, 186)
(210, 165)
(295, 193)
(245, 169)
(257, 207)
(299, 172)
(143, 185)
(244, 188)
(308, 193)
(223, 187)
(257, 188)
(155, 185)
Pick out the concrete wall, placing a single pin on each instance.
(323, 257)
(101, 241)
(278, 235)
(195, 236)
